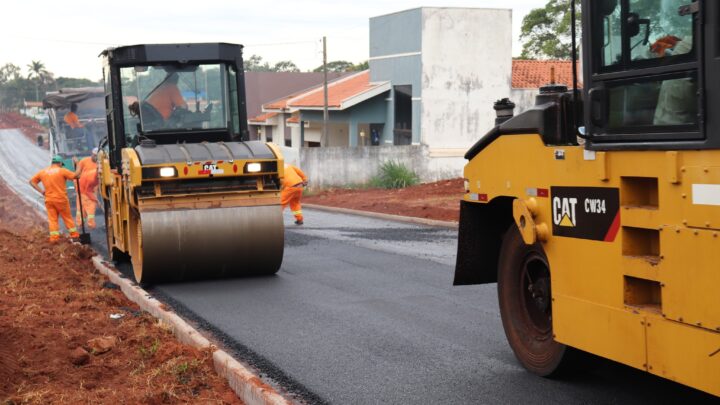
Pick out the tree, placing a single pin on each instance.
(40, 76)
(361, 66)
(70, 82)
(546, 32)
(336, 66)
(9, 72)
(255, 64)
(285, 66)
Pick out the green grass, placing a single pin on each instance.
(394, 175)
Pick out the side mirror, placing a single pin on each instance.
(633, 25)
(607, 7)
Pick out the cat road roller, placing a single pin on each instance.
(186, 194)
(598, 212)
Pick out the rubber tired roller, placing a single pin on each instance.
(186, 194)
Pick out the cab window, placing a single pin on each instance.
(643, 33)
(648, 47)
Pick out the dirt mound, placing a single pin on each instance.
(67, 335)
(439, 200)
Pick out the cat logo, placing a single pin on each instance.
(585, 212)
(564, 211)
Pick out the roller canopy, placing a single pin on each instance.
(66, 97)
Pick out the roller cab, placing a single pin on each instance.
(598, 212)
(186, 195)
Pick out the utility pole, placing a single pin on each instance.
(325, 96)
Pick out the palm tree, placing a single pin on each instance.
(40, 75)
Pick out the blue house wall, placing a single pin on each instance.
(395, 56)
(372, 111)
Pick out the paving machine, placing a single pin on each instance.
(75, 143)
(186, 195)
(598, 212)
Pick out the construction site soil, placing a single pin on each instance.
(67, 335)
(439, 200)
(28, 126)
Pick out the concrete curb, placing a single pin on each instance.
(248, 387)
(391, 217)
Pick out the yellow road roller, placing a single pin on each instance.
(186, 194)
(598, 212)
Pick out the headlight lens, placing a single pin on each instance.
(167, 172)
(467, 185)
(254, 167)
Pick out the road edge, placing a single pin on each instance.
(380, 215)
(247, 386)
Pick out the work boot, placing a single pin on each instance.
(299, 222)
(54, 238)
(74, 235)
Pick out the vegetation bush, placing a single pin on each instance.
(394, 175)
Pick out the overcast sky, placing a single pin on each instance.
(68, 35)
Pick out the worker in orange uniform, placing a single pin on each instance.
(292, 187)
(86, 170)
(72, 118)
(166, 98)
(53, 179)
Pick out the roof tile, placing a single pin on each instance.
(338, 91)
(532, 74)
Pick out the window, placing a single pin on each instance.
(639, 105)
(173, 98)
(646, 82)
(663, 31)
(234, 108)
(643, 32)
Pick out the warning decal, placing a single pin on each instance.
(586, 212)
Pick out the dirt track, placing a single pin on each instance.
(58, 343)
(439, 200)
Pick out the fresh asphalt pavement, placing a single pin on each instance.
(363, 311)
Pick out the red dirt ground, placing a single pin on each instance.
(55, 328)
(439, 200)
(28, 126)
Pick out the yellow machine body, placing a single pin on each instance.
(641, 287)
(193, 224)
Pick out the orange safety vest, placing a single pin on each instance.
(53, 179)
(72, 120)
(293, 176)
(165, 99)
(88, 177)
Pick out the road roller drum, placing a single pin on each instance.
(209, 243)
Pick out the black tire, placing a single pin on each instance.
(114, 254)
(526, 306)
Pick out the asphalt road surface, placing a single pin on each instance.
(363, 312)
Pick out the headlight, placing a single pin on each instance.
(467, 185)
(254, 167)
(167, 172)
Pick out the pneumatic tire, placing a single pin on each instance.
(526, 306)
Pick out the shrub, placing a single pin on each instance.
(394, 175)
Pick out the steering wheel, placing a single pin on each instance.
(179, 117)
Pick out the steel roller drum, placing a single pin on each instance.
(208, 243)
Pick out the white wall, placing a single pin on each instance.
(338, 166)
(466, 66)
(523, 99)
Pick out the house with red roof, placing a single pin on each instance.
(427, 97)
(356, 110)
